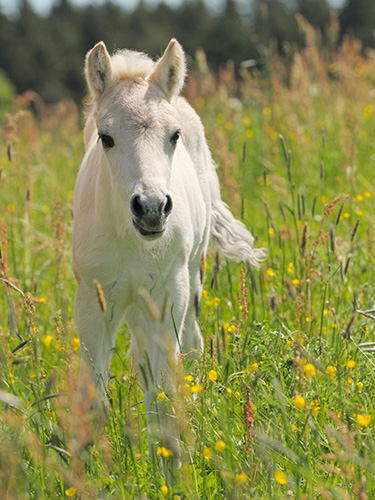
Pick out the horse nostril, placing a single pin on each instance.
(168, 206)
(136, 206)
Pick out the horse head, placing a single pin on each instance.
(138, 128)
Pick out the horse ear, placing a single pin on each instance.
(98, 70)
(169, 72)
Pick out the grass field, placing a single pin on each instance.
(281, 403)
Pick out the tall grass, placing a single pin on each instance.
(280, 405)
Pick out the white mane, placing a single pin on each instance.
(129, 65)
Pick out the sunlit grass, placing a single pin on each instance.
(280, 405)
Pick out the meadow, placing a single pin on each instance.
(280, 405)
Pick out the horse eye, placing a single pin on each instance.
(175, 137)
(107, 141)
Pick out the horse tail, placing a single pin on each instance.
(228, 235)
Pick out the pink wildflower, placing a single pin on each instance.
(249, 420)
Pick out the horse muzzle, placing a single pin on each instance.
(150, 214)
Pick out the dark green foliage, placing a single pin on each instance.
(46, 54)
(358, 17)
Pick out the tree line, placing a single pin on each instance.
(46, 53)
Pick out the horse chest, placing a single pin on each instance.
(130, 288)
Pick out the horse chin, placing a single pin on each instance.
(147, 234)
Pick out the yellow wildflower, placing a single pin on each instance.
(204, 294)
(197, 388)
(331, 371)
(267, 111)
(367, 194)
(351, 363)
(70, 492)
(296, 281)
(212, 375)
(271, 231)
(270, 272)
(315, 408)
(164, 452)
(299, 402)
(47, 340)
(206, 452)
(161, 396)
(368, 110)
(240, 479)
(290, 342)
(220, 445)
(255, 366)
(310, 370)
(360, 385)
(75, 343)
(363, 420)
(189, 378)
(280, 476)
(164, 490)
(293, 428)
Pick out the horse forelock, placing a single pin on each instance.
(131, 65)
(126, 65)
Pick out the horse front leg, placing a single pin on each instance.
(155, 346)
(97, 329)
(192, 340)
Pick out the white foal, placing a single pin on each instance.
(147, 202)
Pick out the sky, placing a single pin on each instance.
(43, 6)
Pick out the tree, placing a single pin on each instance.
(229, 38)
(316, 12)
(358, 16)
(275, 20)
